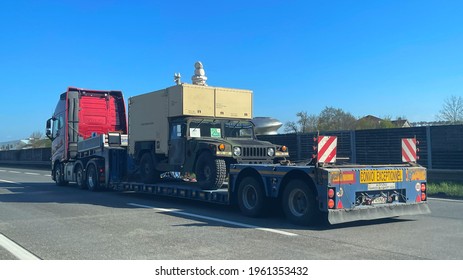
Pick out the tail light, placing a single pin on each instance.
(330, 193)
(330, 203)
(423, 195)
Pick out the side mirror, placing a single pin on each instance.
(48, 130)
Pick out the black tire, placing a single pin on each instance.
(93, 183)
(210, 172)
(251, 197)
(59, 175)
(299, 204)
(148, 173)
(80, 177)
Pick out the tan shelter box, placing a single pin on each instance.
(193, 100)
(233, 103)
(190, 100)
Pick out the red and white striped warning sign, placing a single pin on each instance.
(327, 149)
(409, 150)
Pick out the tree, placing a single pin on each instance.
(305, 123)
(452, 110)
(36, 140)
(335, 119)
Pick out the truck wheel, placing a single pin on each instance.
(59, 175)
(93, 183)
(148, 173)
(210, 172)
(299, 203)
(251, 197)
(80, 177)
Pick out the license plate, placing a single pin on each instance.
(378, 200)
(381, 186)
(380, 176)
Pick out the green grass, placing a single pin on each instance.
(448, 189)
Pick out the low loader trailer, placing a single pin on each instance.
(307, 193)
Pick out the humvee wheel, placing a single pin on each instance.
(210, 172)
(148, 172)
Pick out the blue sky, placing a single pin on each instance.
(384, 58)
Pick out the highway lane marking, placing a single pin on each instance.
(27, 173)
(16, 249)
(180, 212)
(30, 173)
(445, 199)
(10, 182)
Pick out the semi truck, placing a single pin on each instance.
(194, 128)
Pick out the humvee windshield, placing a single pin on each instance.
(239, 129)
(220, 128)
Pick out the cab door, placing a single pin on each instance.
(177, 143)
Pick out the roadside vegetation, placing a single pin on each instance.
(446, 189)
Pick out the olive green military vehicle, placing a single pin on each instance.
(196, 129)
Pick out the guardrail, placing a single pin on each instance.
(32, 157)
(41, 158)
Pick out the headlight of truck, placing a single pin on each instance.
(237, 151)
(271, 152)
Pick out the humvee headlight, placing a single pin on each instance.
(237, 151)
(271, 152)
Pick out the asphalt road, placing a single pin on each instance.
(50, 222)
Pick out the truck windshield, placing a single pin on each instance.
(205, 128)
(239, 129)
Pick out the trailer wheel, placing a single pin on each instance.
(148, 173)
(92, 178)
(251, 197)
(80, 177)
(210, 172)
(59, 175)
(299, 203)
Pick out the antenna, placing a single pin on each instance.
(199, 78)
(177, 77)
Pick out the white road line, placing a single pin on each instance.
(10, 182)
(16, 249)
(30, 173)
(180, 212)
(15, 172)
(48, 175)
(1, 170)
(445, 199)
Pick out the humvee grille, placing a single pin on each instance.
(254, 152)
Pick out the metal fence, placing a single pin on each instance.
(440, 147)
(40, 156)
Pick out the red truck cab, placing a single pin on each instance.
(81, 114)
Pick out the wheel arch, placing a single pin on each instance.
(247, 172)
(142, 147)
(297, 175)
(79, 163)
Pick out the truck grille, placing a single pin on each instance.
(254, 152)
